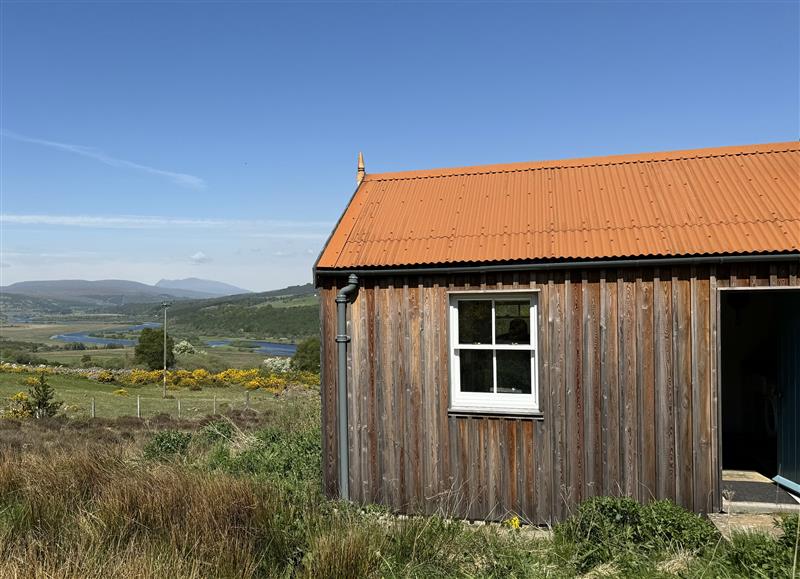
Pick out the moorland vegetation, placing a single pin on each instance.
(240, 495)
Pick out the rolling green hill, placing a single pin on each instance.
(291, 314)
(17, 306)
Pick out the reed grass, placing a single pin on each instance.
(80, 500)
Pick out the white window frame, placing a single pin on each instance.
(493, 402)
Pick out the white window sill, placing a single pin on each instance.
(496, 413)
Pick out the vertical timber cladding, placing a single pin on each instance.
(627, 388)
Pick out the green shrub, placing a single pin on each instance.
(42, 399)
(167, 444)
(608, 529)
(602, 528)
(669, 526)
(788, 525)
(758, 555)
(21, 357)
(217, 430)
(307, 356)
(291, 457)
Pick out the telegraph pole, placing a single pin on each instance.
(165, 305)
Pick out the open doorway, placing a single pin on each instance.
(760, 384)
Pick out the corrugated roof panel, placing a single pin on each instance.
(706, 201)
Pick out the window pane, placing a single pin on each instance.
(475, 322)
(512, 322)
(514, 371)
(476, 370)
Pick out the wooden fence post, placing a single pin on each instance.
(94, 408)
(179, 407)
(214, 413)
(138, 406)
(247, 400)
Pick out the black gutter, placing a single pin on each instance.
(556, 265)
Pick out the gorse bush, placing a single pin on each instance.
(265, 378)
(18, 406)
(41, 400)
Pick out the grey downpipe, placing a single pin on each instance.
(341, 342)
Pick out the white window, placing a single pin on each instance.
(493, 352)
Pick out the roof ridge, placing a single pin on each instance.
(606, 160)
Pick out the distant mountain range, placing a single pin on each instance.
(206, 286)
(116, 292)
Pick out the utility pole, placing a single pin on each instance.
(165, 305)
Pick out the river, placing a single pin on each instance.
(264, 347)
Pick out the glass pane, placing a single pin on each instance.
(476, 370)
(513, 322)
(514, 371)
(475, 322)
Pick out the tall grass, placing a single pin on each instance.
(93, 513)
(241, 498)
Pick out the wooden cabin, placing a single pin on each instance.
(516, 338)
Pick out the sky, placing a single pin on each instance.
(144, 140)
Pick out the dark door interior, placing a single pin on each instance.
(760, 332)
(788, 330)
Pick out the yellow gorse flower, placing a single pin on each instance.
(250, 378)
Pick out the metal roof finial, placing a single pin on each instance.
(361, 172)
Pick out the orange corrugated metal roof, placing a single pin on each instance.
(729, 200)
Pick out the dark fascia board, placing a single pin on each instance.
(560, 265)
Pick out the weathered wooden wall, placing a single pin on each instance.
(628, 392)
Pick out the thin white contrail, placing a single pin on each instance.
(182, 179)
(248, 228)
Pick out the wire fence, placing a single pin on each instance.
(176, 406)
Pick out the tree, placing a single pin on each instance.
(184, 347)
(150, 349)
(307, 355)
(41, 399)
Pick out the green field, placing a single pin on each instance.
(73, 357)
(215, 359)
(293, 301)
(77, 393)
(41, 333)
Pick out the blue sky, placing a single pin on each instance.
(143, 140)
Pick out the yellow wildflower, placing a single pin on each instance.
(512, 523)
